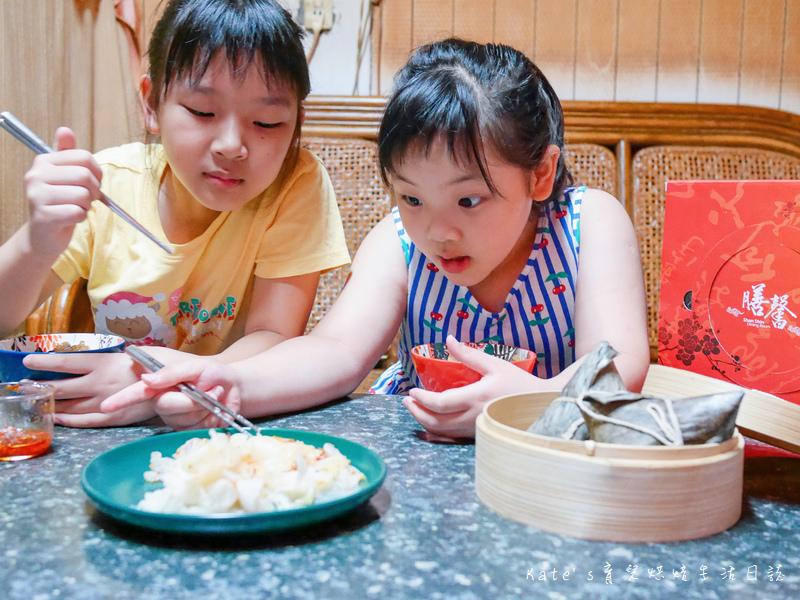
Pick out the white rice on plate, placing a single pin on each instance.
(241, 473)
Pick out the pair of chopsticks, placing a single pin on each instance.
(232, 418)
(16, 128)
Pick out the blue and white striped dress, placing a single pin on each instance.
(538, 313)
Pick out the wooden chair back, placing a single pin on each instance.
(363, 201)
(66, 311)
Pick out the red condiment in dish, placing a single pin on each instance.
(18, 444)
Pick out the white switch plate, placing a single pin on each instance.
(316, 11)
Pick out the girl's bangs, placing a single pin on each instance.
(242, 36)
(448, 113)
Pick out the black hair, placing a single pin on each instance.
(474, 96)
(190, 33)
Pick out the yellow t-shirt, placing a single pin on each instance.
(196, 299)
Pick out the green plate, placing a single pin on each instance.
(114, 482)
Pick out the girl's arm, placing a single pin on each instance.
(60, 188)
(305, 371)
(610, 305)
(610, 301)
(279, 310)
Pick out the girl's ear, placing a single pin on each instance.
(150, 114)
(544, 175)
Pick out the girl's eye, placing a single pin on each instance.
(267, 125)
(411, 201)
(469, 202)
(198, 113)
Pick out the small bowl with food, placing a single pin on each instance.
(14, 350)
(439, 371)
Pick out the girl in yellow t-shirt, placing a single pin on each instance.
(251, 216)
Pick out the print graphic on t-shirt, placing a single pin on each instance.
(162, 320)
(194, 322)
(134, 317)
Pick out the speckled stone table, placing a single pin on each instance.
(423, 535)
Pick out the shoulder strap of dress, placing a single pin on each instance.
(408, 245)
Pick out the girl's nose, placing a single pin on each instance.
(229, 141)
(441, 231)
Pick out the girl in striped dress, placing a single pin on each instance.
(489, 242)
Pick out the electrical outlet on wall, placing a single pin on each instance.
(318, 14)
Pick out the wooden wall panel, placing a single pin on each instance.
(474, 21)
(637, 51)
(720, 50)
(117, 113)
(70, 76)
(515, 23)
(395, 35)
(710, 51)
(432, 20)
(32, 91)
(790, 75)
(77, 74)
(762, 50)
(596, 49)
(678, 51)
(554, 50)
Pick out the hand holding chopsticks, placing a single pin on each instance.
(16, 128)
(215, 407)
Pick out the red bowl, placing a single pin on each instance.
(438, 371)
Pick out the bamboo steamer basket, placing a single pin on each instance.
(608, 492)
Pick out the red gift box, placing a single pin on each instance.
(730, 287)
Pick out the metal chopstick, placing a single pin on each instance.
(16, 128)
(232, 418)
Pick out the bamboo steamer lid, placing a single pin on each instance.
(607, 492)
(762, 416)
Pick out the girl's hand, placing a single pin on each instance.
(452, 413)
(175, 409)
(60, 187)
(79, 398)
